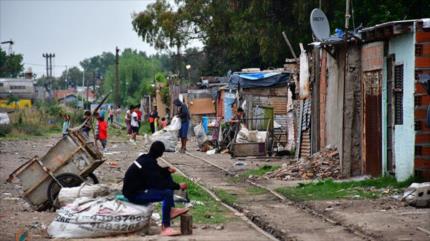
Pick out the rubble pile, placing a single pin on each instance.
(323, 164)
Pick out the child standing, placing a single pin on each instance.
(163, 122)
(103, 127)
(66, 125)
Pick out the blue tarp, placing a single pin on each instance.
(258, 79)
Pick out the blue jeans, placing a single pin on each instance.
(156, 195)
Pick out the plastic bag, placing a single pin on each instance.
(99, 217)
(200, 134)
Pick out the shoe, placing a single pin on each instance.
(176, 212)
(169, 232)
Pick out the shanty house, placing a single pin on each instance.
(369, 99)
(266, 94)
(400, 50)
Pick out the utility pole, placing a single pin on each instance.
(48, 58)
(116, 97)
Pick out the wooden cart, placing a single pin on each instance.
(68, 163)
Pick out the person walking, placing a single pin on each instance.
(185, 122)
(134, 125)
(153, 118)
(66, 124)
(146, 182)
(87, 126)
(102, 131)
(128, 119)
(110, 119)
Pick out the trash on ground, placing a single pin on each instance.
(323, 164)
(4, 118)
(99, 217)
(417, 194)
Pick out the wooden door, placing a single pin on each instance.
(372, 122)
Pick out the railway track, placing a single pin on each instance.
(278, 227)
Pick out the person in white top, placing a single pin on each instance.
(127, 119)
(134, 124)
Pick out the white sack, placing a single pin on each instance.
(261, 136)
(304, 74)
(4, 118)
(69, 194)
(175, 124)
(100, 217)
(200, 134)
(242, 135)
(169, 139)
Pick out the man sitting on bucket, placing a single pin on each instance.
(146, 182)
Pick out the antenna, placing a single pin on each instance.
(319, 24)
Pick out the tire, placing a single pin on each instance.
(92, 179)
(66, 180)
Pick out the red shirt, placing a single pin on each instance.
(103, 126)
(139, 115)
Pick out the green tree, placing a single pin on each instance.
(10, 65)
(238, 34)
(73, 76)
(163, 28)
(137, 73)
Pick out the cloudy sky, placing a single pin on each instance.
(72, 29)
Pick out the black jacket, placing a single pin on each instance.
(148, 176)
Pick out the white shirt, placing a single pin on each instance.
(134, 121)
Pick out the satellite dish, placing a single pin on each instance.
(319, 24)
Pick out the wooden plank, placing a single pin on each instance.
(267, 91)
(186, 224)
(202, 106)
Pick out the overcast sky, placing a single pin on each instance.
(72, 29)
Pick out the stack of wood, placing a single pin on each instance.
(323, 164)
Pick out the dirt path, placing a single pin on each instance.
(383, 219)
(15, 213)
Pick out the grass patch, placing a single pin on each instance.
(225, 196)
(257, 172)
(211, 212)
(261, 170)
(256, 190)
(330, 190)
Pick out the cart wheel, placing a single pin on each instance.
(66, 180)
(92, 179)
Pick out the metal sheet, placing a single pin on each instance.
(372, 122)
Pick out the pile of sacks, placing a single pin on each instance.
(87, 213)
(246, 136)
(323, 164)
